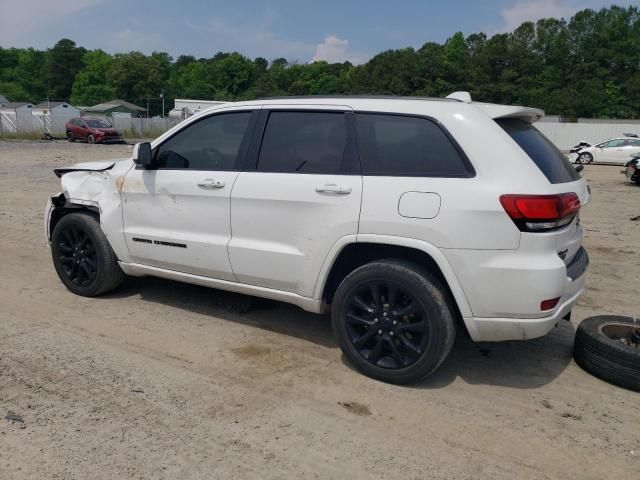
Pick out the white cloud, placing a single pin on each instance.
(533, 10)
(127, 40)
(21, 19)
(252, 39)
(336, 50)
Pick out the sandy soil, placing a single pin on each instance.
(163, 380)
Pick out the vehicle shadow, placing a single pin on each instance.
(244, 309)
(514, 364)
(517, 364)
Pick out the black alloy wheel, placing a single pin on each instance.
(77, 255)
(386, 325)
(82, 256)
(393, 320)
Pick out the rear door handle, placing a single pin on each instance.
(333, 188)
(210, 184)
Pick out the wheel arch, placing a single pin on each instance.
(61, 206)
(353, 253)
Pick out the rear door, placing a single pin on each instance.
(302, 197)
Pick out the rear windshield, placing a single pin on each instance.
(553, 163)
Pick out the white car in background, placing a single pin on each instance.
(615, 150)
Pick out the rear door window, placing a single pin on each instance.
(400, 145)
(303, 142)
(549, 159)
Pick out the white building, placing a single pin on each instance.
(16, 117)
(52, 116)
(185, 108)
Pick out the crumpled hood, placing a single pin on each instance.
(85, 167)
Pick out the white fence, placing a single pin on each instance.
(567, 135)
(54, 125)
(564, 135)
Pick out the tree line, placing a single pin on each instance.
(588, 66)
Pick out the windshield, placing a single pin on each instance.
(549, 159)
(98, 124)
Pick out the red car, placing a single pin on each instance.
(91, 130)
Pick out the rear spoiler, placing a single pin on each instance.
(495, 111)
(101, 168)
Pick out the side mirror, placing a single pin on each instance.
(142, 154)
(579, 168)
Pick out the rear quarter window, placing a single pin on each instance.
(549, 159)
(401, 145)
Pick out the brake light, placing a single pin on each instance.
(541, 213)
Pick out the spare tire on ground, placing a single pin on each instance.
(608, 346)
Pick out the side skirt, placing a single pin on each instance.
(309, 304)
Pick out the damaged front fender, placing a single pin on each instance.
(94, 186)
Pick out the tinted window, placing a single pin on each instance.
(303, 142)
(555, 166)
(634, 143)
(98, 123)
(209, 144)
(406, 146)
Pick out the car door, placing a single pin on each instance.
(611, 151)
(176, 214)
(301, 199)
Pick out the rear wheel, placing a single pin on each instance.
(584, 158)
(90, 139)
(393, 321)
(82, 256)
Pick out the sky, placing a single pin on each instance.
(302, 30)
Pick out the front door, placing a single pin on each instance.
(176, 214)
(302, 198)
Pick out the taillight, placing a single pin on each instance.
(541, 213)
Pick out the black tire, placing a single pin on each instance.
(414, 341)
(70, 137)
(82, 256)
(597, 350)
(90, 139)
(584, 158)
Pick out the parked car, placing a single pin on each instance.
(91, 130)
(615, 150)
(632, 169)
(409, 219)
(581, 144)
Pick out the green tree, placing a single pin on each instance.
(61, 64)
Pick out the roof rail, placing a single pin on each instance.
(370, 97)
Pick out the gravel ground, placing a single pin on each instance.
(164, 380)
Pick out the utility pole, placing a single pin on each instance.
(162, 97)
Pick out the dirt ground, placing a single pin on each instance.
(164, 380)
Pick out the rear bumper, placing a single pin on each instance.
(500, 329)
(507, 288)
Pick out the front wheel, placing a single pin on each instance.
(393, 321)
(82, 256)
(91, 139)
(584, 158)
(70, 137)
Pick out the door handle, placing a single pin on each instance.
(210, 184)
(333, 188)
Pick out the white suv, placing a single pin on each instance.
(408, 218)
